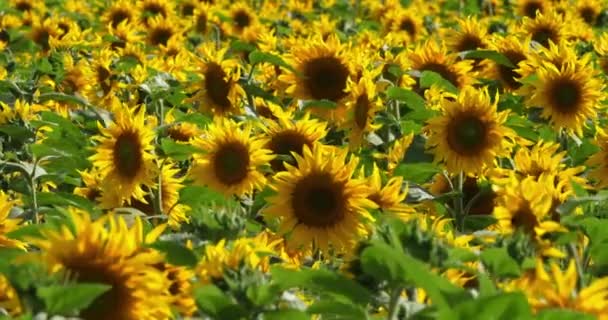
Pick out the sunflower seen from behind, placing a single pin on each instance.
(124, 157)
(470, 133)
(106, 251)
(231, 159)
(319, 202)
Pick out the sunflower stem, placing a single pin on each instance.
(249, 97)
(33, 187)
(579, 266)
(158, 208)
(460, 203)
(394, 306)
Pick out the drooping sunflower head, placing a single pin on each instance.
(545, 28)
(568, 96)
(470, 134)
(232, 159)
(219, 92)
(124, 157)
(118, 12)
(106, 251)
(517, 52)
(318, 202)
(8, 224)
(389, 196)
(323, 69)
(434, 57)
(362, 106)
(286, 136)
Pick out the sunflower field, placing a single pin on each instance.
(298, 159)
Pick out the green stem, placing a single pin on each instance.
(393, 305)
(579, 265)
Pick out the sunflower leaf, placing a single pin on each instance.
(409, 97)
(490, 55)
(214, 302)
(71, 298)
(177, 151)
(499, 262)
(323, 104)
(429, 78)
(286, 314)
(258, 56)
(499, 306)
(419, 172)
(176, 253)
(337, 310)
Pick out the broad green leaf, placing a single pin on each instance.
(323, 104)
(419, 172)
(19, 133)
(212, 301)
(176, 150)
(409, 97)
(429, 78)
(323, 281)
(499, 262)
(502, 306)
(263, 294)
(329, 309)
(562, 314)
(71, 298)
(257, 56)
(478, 222)
(64, 199)
(290, 314)
(490, 55)
(176, 253)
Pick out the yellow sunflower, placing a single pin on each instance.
(124, 157)
(231, 159)
(161, 30)
(219, 93)
(286, 136)
(106, 251)
(77, 77)
(180, 131)
(9, 300)
(529, 8)
(319, 202)
(470, 134)
(242, 17)
(362, 105)
(180, 288)
(42, 31)
(406, 24)
(92, 185)
(434, 57)
(8, 224)
(477, 193)
(599, 160)
(517, 52)
(589, 10)
(389, 197)
(119, 11)
(545, 28)
(568, 96)
(323, 69)
(471, 35)
(153, 8)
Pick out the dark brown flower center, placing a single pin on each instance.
(201, 22)
(216, 86)
(362, 107)
(23, 6)
(467, 135)
(284, 143)
(531, 7)
(319, 201)
(127, 154)
(565, 95)
(588, 14)
(118, 16)
(241, 19)
(408, 26)
(543, 34)
(160, 35)
(325, 78)
(231, 163)
(507, 74)
(524, 219)
(469, 42)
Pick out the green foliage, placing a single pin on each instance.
(70, 298)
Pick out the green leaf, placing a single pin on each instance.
(212, 301)
(177, 151)
(329, 309)
(419, 172)
(478, 222)
(323, 281)
(502, 306)
(71, 298)
(176, 253)
(196, 118)
(499, 262)
(323, 104)
(258, 56)
(388, 264)
(409, 97)
(290, 314)
(19, 133)
(490, 55)
(571, 204)
(562, 314)
(263, 294)
(429, 78)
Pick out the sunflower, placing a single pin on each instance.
(470, 134)
(568, 96)
(471, 35)
(557, 54)
(154, 8)
(362, 105)
(42, 31)
(106, 251)
(219, 93)
(599, 160)
(105, 84)
(526, 205)
(477, 194)
(434, 57)
(231, 159)
(180, 131)
(545, 28)
(287, 136)
(557, 289)
(517, 52)
(319, 203)
(92, 185)
(9, 300)
(529, 8)
(180, 288)
(171, 183)
(77, 77)
(323, 69)
(406, 24)
(589, 10)
(124, 157)
(8, 224)
(119, 11)
(161, 30)
(242, 17)
(389, 197)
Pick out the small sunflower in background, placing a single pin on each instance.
(124, 157)
(9, 299)
(389, 196)
(530, 8)
(406, 25)
(161, 30)
(589, 10)
(120, 11)
(286, 137)
(597, 161)
(320, 203)
(470, 133)
(154, 8)
(231, 158)
(568, 96)
(219, 92)
(323, 69)
(517, 52)
(8, 224)
(545, 28)
(362, 106)
(106, 251)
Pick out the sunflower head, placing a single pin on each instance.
(231, 160)
(8, 224)
(471, 35)
(319, 202)
(545, 28)
(517, 52)
(362, 106)
(529, 8)
(470, 134)
(120, 11)
(9, 299)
